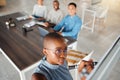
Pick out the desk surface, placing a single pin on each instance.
(23, 50)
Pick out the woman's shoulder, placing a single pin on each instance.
(44, 6)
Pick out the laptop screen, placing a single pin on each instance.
(43, 31)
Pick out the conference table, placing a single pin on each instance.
(24, 51)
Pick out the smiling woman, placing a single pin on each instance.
(53, 66)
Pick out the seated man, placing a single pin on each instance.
(53, 66)
(39, 10)
(71, 24)
(55, 15)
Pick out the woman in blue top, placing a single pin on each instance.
(71, 24)
(53, 66)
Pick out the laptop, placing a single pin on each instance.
(43, 31)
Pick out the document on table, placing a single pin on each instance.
(22, 18)
(32, 23)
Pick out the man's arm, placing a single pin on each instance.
(60, 25)
(60, 17)
(33, 10)
(75, 30)
(45, 14)
(38, 76)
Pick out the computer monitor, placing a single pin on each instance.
(103, 68)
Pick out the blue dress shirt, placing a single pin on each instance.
(71, 26)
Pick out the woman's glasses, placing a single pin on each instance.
(58, 52)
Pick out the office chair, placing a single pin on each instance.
(88, 19)
(101, 14)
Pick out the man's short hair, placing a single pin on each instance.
(56, 1)
(54, 36)
(72, 3)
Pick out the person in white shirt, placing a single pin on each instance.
(39, 10)
(55, 15)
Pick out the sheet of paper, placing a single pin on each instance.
(32, 23)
